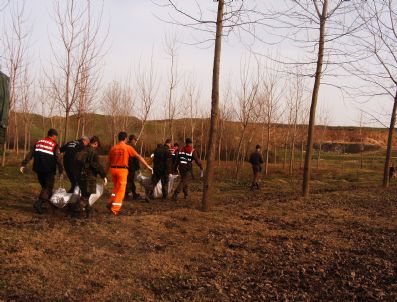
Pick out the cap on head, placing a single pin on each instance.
(122, 136)
(132, 138)
(188, 141)
(258, 146)
(176, 145)
(52, 132)
(168, 141)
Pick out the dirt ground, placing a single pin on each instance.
(339, 245)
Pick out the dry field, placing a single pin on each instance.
(339, 245)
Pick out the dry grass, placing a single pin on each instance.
(340, 245)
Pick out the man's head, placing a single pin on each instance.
(94, 142)
(122, 136)
(85, 139)
(188, 141)
(132, 139)
(176, 146)
(53, 134)
(168, 142)
(258, 148)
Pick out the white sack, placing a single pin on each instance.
(60, 198)
(146, 182)
(94, 197)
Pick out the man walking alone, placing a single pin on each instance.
(118, 163)
(256, 161)
(45, 153)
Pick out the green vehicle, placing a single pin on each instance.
(4, 106)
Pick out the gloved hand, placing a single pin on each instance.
(105, 182)
(201, 173)
(22, 169)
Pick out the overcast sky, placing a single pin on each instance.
(134, 31)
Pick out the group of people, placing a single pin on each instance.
(82, 166)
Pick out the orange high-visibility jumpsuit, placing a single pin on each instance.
(118, 160)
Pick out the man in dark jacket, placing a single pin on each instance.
(186, 156)
(256, 161)
(70, 150)
(133, 166)
(88, 160)
(162, 167)
(46, 160)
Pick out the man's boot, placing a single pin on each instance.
(38, 206)
(136, 196)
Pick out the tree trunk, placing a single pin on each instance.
(209, 173)
(390, 143)
(267, 150)
(66, 126)
(313, 106)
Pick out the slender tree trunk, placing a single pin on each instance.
(209, 172)
(313, 106)
(66, 126)
(319, 155)
(267, 150)
(390, 143)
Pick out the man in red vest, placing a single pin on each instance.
(46, 160)
(186, 156)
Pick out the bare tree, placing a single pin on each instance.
(76, 59)
(272, 92)
(26, 106)
(248, 100)
(229, 15)
(171, 49)
(148, 86)
(327, 22)
(15, 47)
(324, 120)
(376, 47)
(117, 104)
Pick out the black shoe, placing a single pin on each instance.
(38, 206)
(136, 197)
(175, 196)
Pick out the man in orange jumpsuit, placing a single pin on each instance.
(118, 163)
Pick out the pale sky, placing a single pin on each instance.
(134, 30)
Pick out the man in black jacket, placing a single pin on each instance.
(133, 166)
(162, 167)
(46, 160)
(70, 150)
(256, 161)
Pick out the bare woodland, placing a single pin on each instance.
(274, 103)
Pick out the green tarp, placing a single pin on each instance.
(4, 105)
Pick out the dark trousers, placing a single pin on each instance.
(256, 169)
(156, 177)
(184, 182)
(46, 181)
(71, 173)
(131, 188)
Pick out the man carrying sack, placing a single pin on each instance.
(118, 164)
